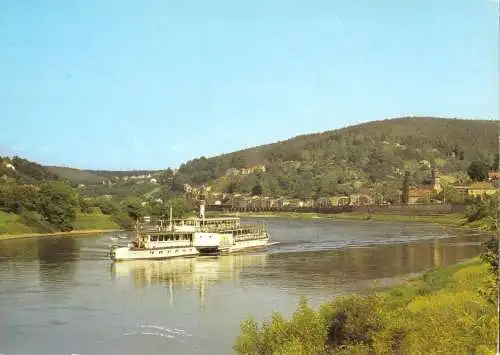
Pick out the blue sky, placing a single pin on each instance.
(150, 84)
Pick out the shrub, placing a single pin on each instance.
(123, 219)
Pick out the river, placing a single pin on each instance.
(61, 295)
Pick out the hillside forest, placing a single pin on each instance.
(379, 157)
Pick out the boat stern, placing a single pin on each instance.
(119, 253)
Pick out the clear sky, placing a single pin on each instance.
(149, 84)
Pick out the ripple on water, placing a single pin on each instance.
(158, 331)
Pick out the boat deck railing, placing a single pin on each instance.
(226, 224)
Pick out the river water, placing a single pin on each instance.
(61, 295)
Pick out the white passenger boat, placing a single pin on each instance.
(189, 237)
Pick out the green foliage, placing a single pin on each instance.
(76, 176)
(84, 205)
(360, 156)
(26, 172)
(478, 170)
(443, 312)
(35, 222)
(105, 205)
(305, 333)
(180, 207)
(354, 320)
(58, 204)
(7, 201)
(495, 162)
(484, 211)
(11, 223)
(133, 206)
(257, 190)
(123, 219)
(451, 195)
(490, 253)
(94, 221)
(406, 188)
(490, 256)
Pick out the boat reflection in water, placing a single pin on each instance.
(199, 272)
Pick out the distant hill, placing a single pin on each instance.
(81, 176)
(93, 177)
(120, 173)
(76, 176)
(22, 171)
(368, 155)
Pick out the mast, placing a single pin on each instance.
(170, 220)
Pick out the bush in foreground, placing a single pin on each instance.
(415, 317)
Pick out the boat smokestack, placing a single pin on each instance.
(203, 193)
(202, 209)
(170, 219)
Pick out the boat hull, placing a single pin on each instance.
(126, 253)
(246, 244)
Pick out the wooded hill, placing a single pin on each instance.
(369, 155)
(21, 171)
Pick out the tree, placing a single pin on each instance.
(106, 206)
(84, 205)
(161, 210)
(232, 187)
(178, 182)
(133, 207)
(478, 170)
(180, 206)
(58, 204)
(7, 201)
(406, 188)
(257, 190)
(496, 161)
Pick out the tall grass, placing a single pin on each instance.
(445, 312)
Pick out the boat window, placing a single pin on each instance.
(154, 238)
(176, 237)
(161, 238)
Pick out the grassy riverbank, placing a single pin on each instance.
(454, 219)
(17, 226)
(449, 310)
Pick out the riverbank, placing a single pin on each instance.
(450, 310)
(73, 232)
(13, 226)
(455, 219)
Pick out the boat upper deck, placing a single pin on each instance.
(190, 225)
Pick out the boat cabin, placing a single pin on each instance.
(161, 240)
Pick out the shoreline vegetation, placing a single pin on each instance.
(12, 226)
(447, 310)
(455, 220)
(52, 234)
(95, 224)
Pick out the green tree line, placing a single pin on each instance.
(363, 156)
(53, 206)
